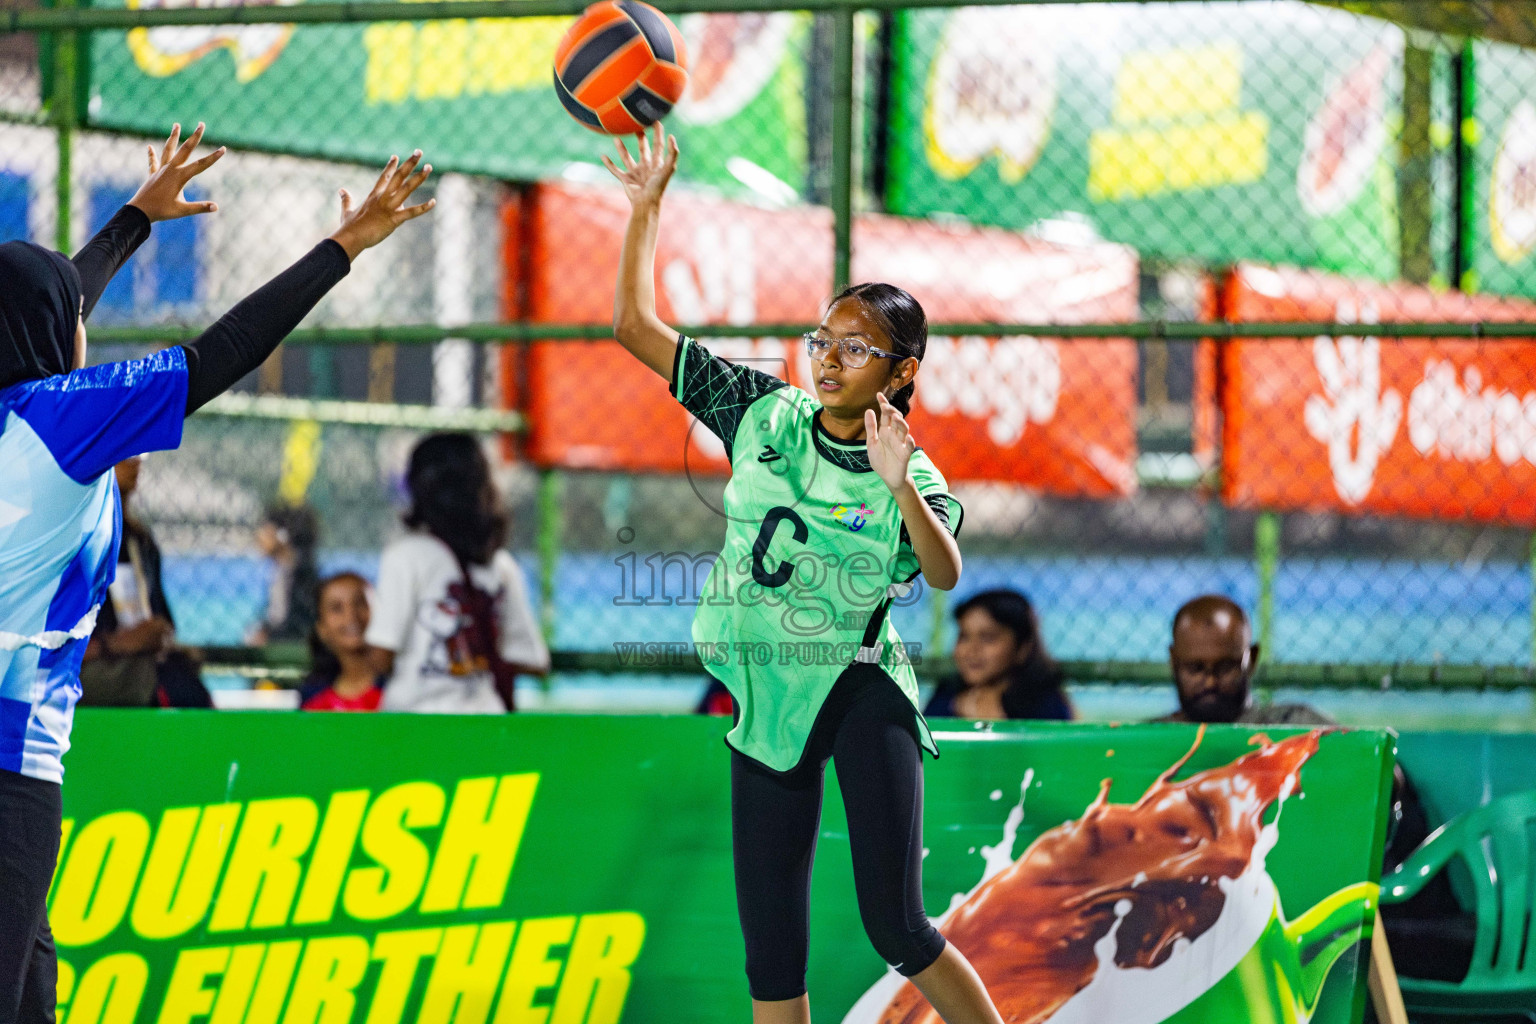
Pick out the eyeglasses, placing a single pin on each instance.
(1219, 671)
(854, 353)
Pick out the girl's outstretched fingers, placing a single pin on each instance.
(381, 211)
(171, 143)
(160, 197)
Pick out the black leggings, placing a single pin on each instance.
(30, 812)
(868, 727)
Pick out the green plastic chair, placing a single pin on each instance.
(1494, 842)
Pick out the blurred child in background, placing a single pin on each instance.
(341, 675)
(452, 624)
(289, 535)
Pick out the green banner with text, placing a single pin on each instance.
(475, 94)
(1267, 133)
(250, 868)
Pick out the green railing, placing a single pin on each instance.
(286, 665)
(1148, 330)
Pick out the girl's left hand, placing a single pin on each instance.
(160, 196)
(890, 443)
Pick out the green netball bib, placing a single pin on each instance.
(815, 552)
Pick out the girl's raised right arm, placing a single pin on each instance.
(635, 323)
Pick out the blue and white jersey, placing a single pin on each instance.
(60, 523)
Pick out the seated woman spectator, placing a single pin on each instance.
(341, 675)
(132, 659)
(289, 536)
(1002, 666)
(451, 624)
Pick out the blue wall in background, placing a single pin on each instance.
(164, 274)
(15, 197)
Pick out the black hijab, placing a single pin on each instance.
(39, 309)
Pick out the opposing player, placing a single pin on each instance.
(832, 512)
(62, 428)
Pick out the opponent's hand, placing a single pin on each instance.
(160, 196)
(645, 178)
(890, 443)
(382, 210)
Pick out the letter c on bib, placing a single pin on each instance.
(781, 575)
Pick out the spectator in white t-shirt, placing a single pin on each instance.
(451, 621)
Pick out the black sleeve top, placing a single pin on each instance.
(105, 254)
(241, 339)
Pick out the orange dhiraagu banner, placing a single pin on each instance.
(1442, 428)
(1037, 411)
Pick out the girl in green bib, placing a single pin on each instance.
(833, 513)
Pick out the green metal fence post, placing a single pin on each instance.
(524, 331)
(842, 146)
(1468, 134)
(548, 546)
(938, 612)
(61, 111)
(1266, 554)
(1415, 195)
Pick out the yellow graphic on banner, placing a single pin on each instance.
(274, 863)
(1178, 126)
(301, 460)
(167, 49)
(429, 60)
(443, 60)
(585, 959)
(1178, 83)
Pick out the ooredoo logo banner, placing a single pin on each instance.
(1420, 427)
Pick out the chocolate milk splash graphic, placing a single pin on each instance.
(1125, 886)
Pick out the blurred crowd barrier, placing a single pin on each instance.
(1226, 297)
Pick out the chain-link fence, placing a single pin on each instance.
(1090, 201)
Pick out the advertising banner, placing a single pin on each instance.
(717, 262)
(1040, 411)
(1049, 413)
(258, 868)
(1261, 134)
(1502, 224)
(1442, 428)
(475, 94)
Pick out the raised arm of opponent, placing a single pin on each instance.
(159, 198)
(635, 323)
(242, 339)
(245, 336)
